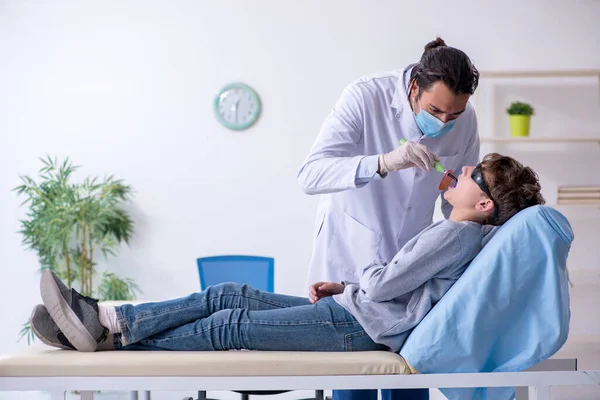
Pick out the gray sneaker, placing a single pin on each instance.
(75, 315)
(46, 329)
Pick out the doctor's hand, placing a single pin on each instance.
(320, 290)
(409, 155)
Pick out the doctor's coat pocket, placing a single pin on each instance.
(353, 245)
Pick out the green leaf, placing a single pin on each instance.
(57, 208)
(27, 332)
(518, 108)
(114, 288)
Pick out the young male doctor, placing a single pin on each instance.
(377, 194)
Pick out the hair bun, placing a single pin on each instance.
(438, 42)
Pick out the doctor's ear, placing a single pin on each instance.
(413, 90)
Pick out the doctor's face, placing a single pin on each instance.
(439, 101)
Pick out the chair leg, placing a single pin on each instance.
(319, 395)
(201, 396)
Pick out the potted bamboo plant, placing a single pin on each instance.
(520, 118)
(68, 224)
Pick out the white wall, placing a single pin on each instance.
(127, 88)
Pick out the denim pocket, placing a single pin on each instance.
(360, 341)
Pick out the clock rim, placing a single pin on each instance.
(253, 118)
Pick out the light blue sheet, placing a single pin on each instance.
(509, 310)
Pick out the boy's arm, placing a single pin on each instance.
(435, 250)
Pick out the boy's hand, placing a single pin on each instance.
(321, 290)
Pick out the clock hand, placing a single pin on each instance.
(235, 106)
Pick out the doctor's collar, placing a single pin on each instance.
(400, 98)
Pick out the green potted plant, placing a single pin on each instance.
(67, 224)
(519, 118)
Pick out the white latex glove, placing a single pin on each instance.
(409, 155)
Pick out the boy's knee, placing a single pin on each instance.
(225, 287)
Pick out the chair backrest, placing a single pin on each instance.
(256, 271)
(510, 309)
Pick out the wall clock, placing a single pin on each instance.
(237, 106)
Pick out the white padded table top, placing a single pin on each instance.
(222, 363)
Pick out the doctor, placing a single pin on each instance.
(376, 195)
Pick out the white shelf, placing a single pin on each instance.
(528, 139)
(540, 74)
(569, 206)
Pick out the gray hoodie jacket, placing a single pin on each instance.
(391, 299)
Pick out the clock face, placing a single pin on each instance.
(237, 106)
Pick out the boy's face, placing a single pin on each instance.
(467, 195)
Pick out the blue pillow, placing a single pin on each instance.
(507, 312)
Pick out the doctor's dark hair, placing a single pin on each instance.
(452, 66)
(513, 186)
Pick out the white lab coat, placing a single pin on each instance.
(361, 216)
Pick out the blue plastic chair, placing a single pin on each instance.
(258, 272)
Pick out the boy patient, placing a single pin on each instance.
(376, 313)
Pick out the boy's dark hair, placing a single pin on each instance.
(513, 186)
(447, 64)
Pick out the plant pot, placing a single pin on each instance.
(519, 125)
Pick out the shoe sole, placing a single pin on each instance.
(42, 338)
(63, 315)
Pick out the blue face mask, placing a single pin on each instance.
(431, 126)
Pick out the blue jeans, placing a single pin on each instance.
(230, 316)
(386, 394)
